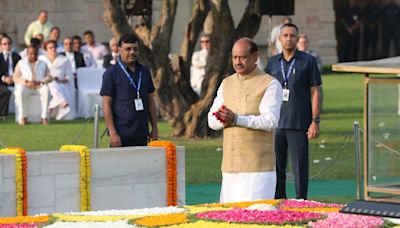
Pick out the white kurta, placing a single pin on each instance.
(250, 186)
(61, 92)
(197, 70)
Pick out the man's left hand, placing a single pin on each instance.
(227, 115)
(313, 130)
(153, 134)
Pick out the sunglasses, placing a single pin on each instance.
(205, 41)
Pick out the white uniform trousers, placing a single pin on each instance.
(22, 93)
(240, 187)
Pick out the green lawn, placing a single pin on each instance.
(331, 155)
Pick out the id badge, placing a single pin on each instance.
(139, 104)
(285, 95)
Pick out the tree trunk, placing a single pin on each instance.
(178, 103)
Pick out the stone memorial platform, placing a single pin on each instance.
(122, 178)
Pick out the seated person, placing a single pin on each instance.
(8, 61)
(62, 100)
(111, 59)
(97, 50)
(31, 77)
(36, 42)
(76, 59)
(87, 55)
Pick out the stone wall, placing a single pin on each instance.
(314, 17)
(123, 178)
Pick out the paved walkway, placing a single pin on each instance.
(209, 193)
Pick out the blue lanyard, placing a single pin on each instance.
(130, 79)
(286, 76)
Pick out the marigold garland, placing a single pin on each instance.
(20, 178)
(170, 151)
(195, 209)
(161, 220)
(84, 153)
(25, 219)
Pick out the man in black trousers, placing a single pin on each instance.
(390, 24)
(372, 18)
(299, 117)
(8, 60)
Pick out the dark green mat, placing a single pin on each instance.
(209, 193)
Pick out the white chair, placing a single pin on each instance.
(89, 85)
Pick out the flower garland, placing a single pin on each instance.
(170, 151)
(25, 219)
(299, 203)
(22, 225)
(115, 215)
(202, 223)
(20, 178)
(116, 224)
(161, 220)
(348, 221)
(195, 209)
(276, 217)
(84, 153)
(240, 204)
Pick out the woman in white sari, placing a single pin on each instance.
(62, 105)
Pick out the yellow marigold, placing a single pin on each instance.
(196, 209)
(312, 209)
(162, 220)
(25, 219)
(84, 153)
(201, 224)
(240, 204)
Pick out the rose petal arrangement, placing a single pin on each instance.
(262, 213)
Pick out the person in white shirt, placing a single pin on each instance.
(75, 58)
(31, 76)
(247, 108)
(98, 50)
(62, 101)
(199, 62)
(55, 33)
(275, 44)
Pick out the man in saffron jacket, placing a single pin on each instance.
(247, 109)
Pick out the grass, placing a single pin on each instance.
(331, 155)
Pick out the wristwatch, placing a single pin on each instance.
(316, 120)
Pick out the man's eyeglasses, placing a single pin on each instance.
(205, 41)
(130, 49)
(6, 43)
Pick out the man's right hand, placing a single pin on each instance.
(31, 84)
(8, 80)
(115, 140)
